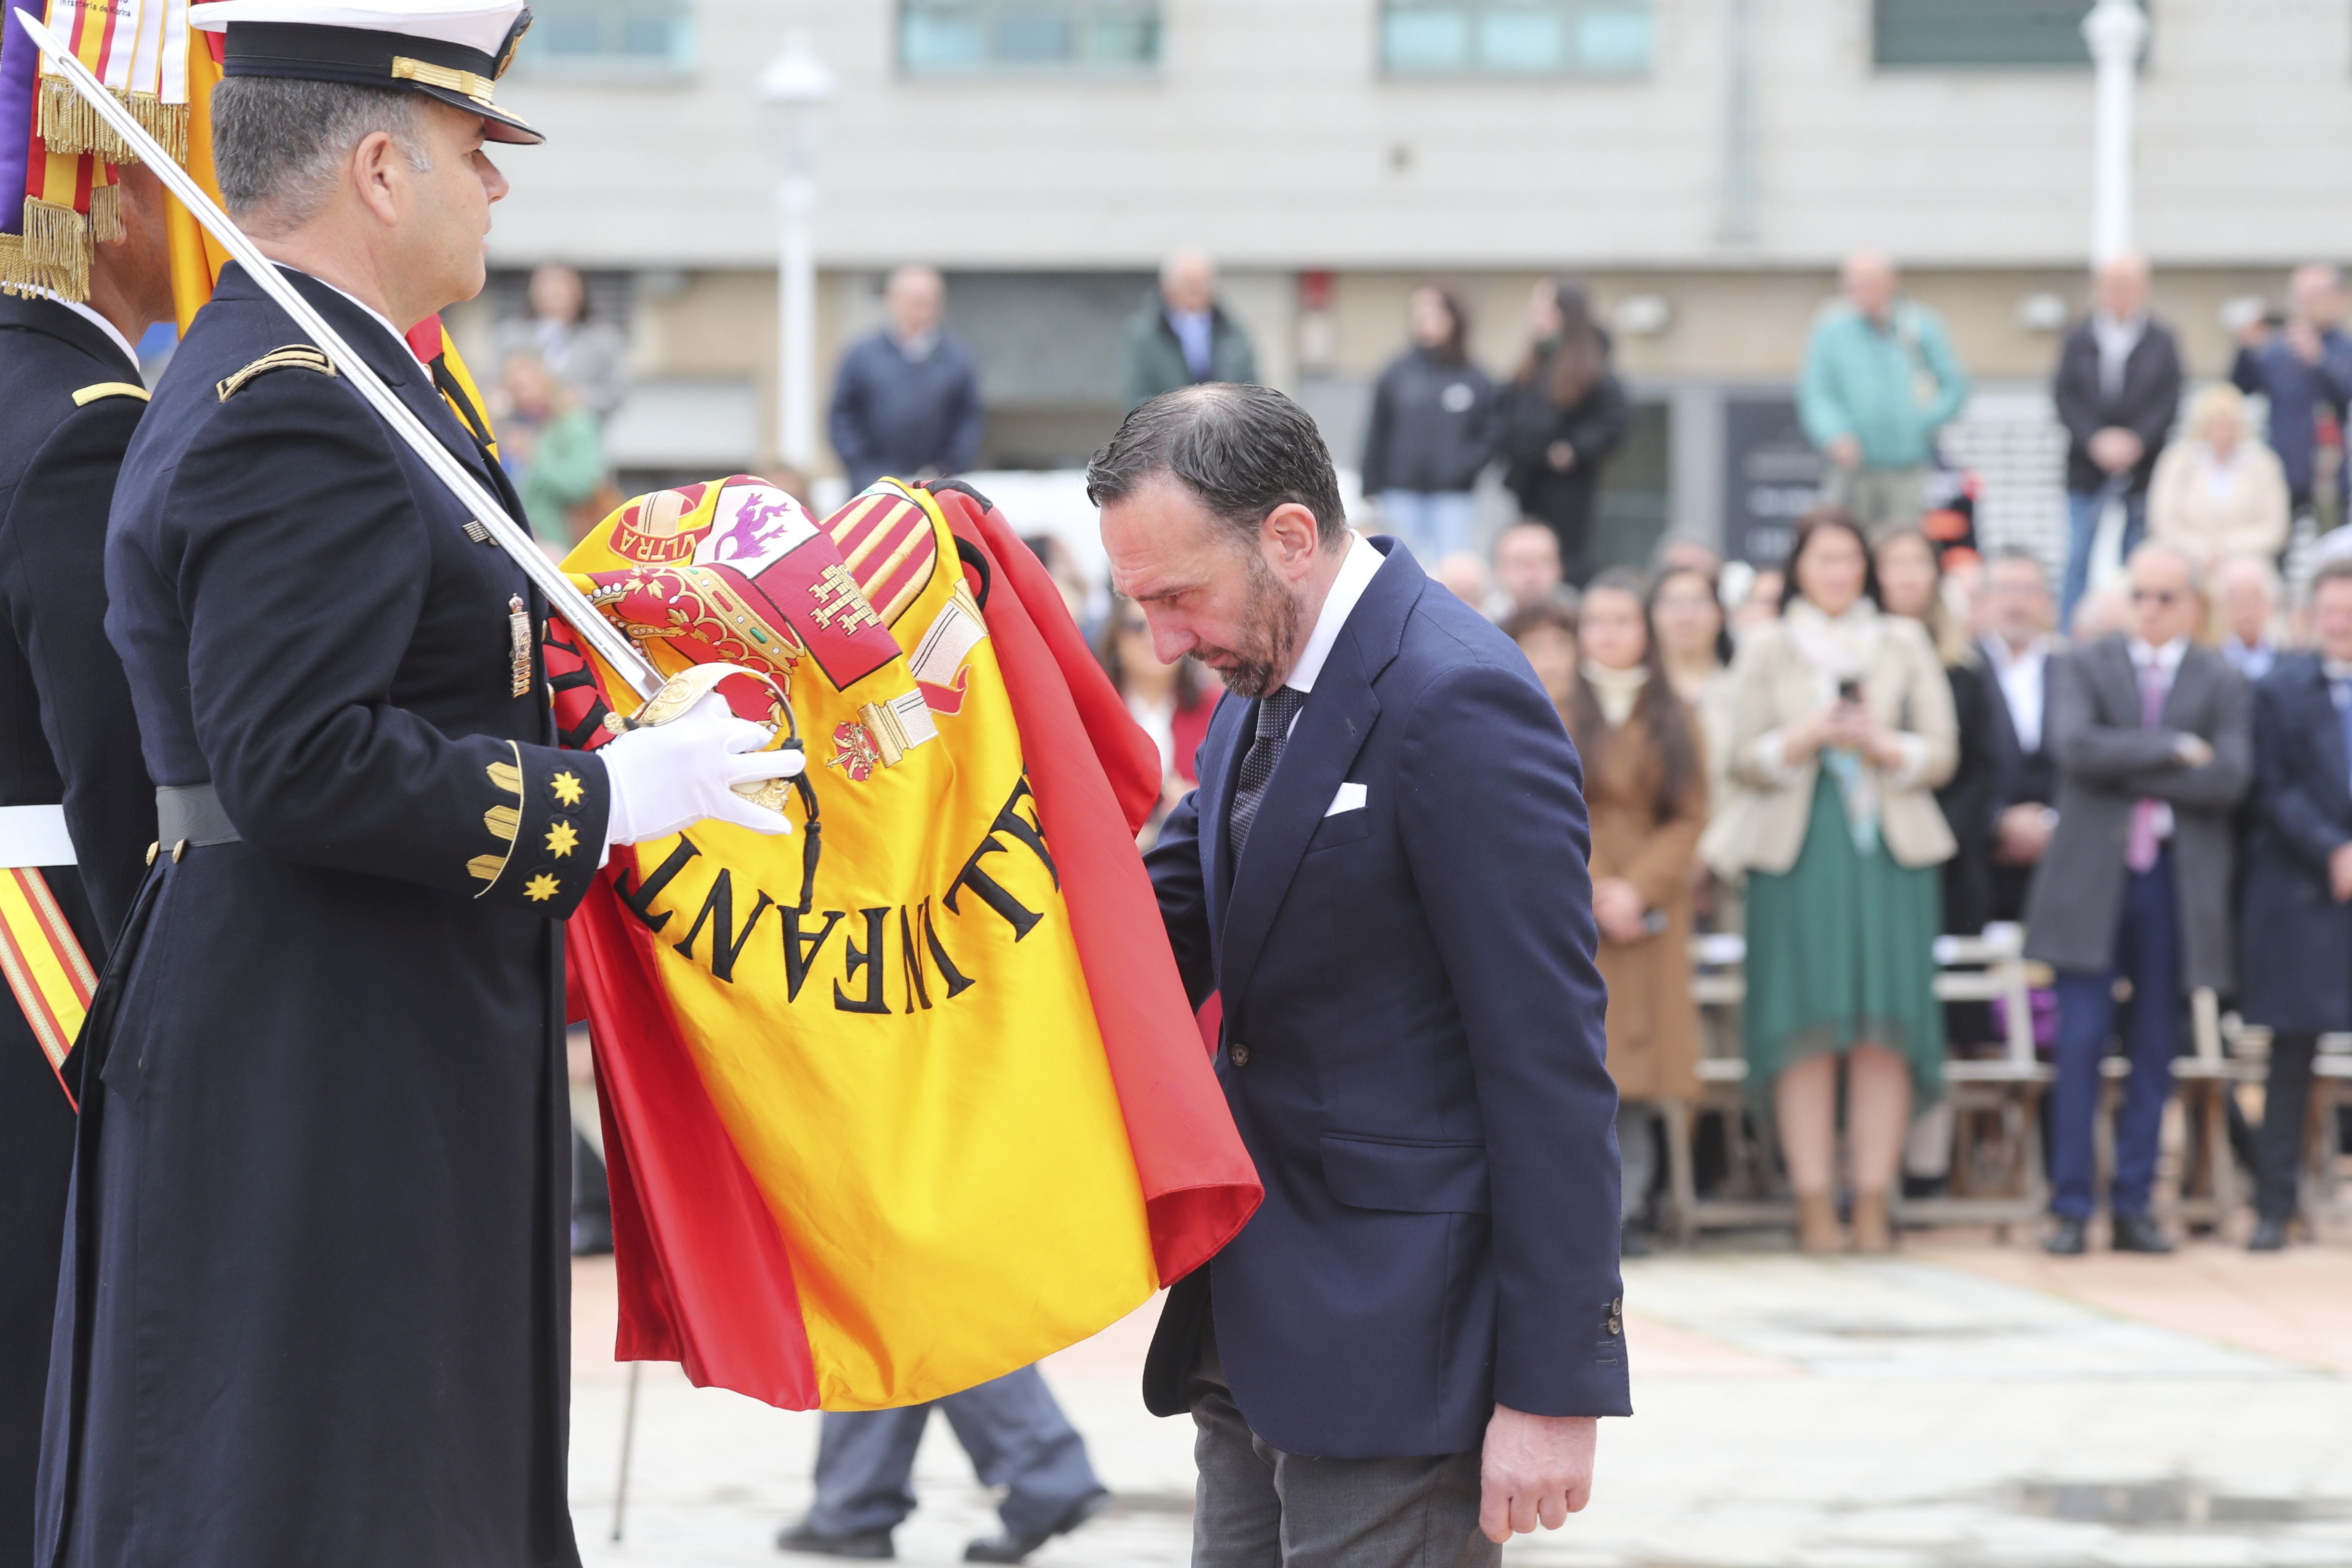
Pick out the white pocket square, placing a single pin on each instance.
(1350, 798)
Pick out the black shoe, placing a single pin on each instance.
(2065, 1237)
(1010, 1548)
(869, 1543)
(2139, 1233)
(2270, 1236)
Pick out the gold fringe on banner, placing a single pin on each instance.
(68, 124)
(56, 248)
(167, 122)
(106, 215)
(18, 275)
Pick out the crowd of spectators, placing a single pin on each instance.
(1892, 753)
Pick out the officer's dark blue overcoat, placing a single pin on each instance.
(316, 1259)
(69, 399)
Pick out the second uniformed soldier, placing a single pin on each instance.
(317, 1285)
(70, 395)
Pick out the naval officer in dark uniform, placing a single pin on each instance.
(314, 1304)
(70, 395)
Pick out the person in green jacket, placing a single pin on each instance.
(1182, 336)
(550, 444)
(1880, 379)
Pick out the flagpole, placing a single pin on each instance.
(566, 600)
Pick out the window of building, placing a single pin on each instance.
(650, 37)
(939, 37)
(1515, 37)
(1978, 35)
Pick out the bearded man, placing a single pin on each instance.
(1401, 1358)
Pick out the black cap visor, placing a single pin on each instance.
(457, 75)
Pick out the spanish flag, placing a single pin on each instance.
(911, 1098)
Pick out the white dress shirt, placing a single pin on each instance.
(2116, 341)
(2023, 676)
(1357, 570)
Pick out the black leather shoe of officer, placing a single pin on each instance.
(2065, 1238)
(869, 1543)
(1008, 1548)
(2140, 1233)
(2270, 1236)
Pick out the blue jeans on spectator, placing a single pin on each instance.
(1015, 1434)
(1433, 524)
(2083, 510)
(2148, 953)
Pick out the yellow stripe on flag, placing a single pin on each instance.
(43, 962)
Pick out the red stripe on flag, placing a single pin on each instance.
(706, 1280)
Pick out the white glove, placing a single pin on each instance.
(667, 777)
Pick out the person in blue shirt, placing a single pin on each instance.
(2303, 365)
(1860, 398)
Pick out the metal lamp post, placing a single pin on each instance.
(796, 91)
(2116, 31)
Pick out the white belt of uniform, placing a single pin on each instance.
(34, 836)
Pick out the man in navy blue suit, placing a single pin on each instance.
(2296, 968)
(1401, 1357)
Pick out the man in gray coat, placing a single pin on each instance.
(2153, 737)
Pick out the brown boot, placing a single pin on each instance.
(1817, 1225)
(1871, 1231)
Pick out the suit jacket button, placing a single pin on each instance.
(1238, 1054)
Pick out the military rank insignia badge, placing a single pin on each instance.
(519, 641)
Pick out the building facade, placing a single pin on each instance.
(1701, 164)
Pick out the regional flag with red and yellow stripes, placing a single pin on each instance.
(911, 1098)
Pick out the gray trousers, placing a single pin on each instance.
(1258, 1507)
(1015, 1434)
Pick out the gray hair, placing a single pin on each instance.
(279, 143)
(2148, 549)
(1240, 451)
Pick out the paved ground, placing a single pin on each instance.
(1965, 1405)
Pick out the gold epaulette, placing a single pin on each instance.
(96, 390)
(293, 356)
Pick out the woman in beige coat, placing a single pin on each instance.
(2220, 493)
(1841, 729)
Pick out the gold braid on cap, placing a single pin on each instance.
(477, 87)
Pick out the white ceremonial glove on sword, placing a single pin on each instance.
(665, 777)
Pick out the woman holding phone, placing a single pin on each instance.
(1842, 728)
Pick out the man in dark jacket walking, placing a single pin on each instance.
(2304, 367)
(907, 401)
(2297, 936)
(2118, 390)
(2154, 744)
(1182, 336)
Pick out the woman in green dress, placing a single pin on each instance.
(1842, 728)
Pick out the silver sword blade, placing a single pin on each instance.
(566, 600)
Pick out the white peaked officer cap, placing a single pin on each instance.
(453, 51)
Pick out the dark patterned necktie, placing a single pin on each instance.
(1274, 716)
